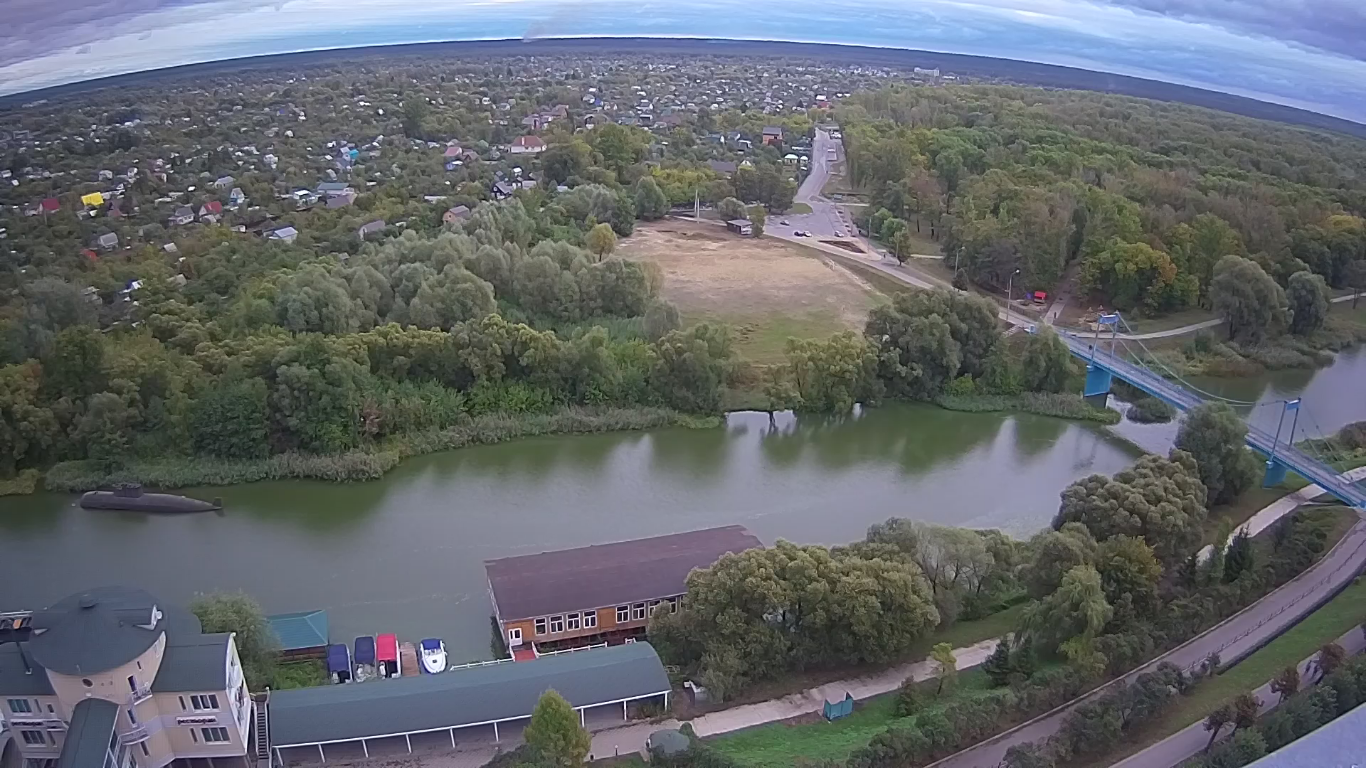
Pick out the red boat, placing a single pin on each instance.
(386, 652)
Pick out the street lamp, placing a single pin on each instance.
(1010, 285)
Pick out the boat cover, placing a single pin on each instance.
(338, 660)
(365, 650)
(431, 644)
(387, 648)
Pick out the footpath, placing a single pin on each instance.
(1191, 741)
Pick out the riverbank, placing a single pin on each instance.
(1208, 353)
(181, 472)
(1062, 406)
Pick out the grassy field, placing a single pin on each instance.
(781, 745)
(766, 289)
(799, 208)
(1301, 641)
(1167, 322)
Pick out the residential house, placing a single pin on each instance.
(502, 190)
(370, 228)
(284, 235)
(110, 677)
(603, 593)
(722, 167)
(773, 134)
(453, 152)
(527, 145)
(789, 159)
(458, 213)
(224, 182)
(236, 198)
(107, 241)
(341, 199)
(211, 212)
(182, 216)
(741, 227)
(328, 188)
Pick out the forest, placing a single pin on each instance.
(1134, 202)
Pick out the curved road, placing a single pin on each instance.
(1233, 639)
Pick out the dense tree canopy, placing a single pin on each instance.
(1213, 435)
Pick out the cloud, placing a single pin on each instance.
(1332, 25)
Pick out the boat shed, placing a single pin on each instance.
(303, 634)
(594, 681)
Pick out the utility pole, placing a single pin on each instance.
(696, 205)
(1010, 286)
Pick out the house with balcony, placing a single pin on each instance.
(111, 678)
(601, 594)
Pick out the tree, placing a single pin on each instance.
(1054, 554)
(1129, 572)
(757, 217)
(103, 428)
(1249, 300)
(1158, 499)
(903, 245)
(1329, 658)
(1246, 708)
(554, 734)
(661, 318)
(1045, 363)
(651, 204)
(908, 698)
(730, 209)
(230, 419)
(1286, 683)
(1355, 277)
(942, 653)
(601, 240)
(1214, 435)
(1307, 295)
(1077, 610)
(1215, 721)
(690, 367)
(832, 375)
(74, 366)
(1239, 557)
(998, 665)
(257, 645)
(624, 215)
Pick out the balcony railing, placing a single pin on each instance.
(139, 695)
(134, 736)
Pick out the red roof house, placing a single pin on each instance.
(50, 205)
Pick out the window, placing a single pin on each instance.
(571, 621)
(623, 614)
(193, 737)
(203, 702)
(34, 737)
(673, 605)
(145, 753)
(132, 684)
(654, 606)
(20, 706)
(638, 612)
(215, 735)
(132, 718)
(182, 704)
(540, 626)
(590, 619)
(556, 624)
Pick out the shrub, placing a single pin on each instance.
(1150, 410)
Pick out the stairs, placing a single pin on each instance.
(261, 730)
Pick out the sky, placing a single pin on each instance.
(1303, 53)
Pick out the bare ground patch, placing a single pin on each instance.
(766, 289)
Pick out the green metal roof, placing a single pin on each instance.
(16, 679)
(470, 696)
(96, 630)
(87, 740)
(300, 630)
(198, 663)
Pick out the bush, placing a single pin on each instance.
(1043, 404)
(1150, 410)
(22, 484)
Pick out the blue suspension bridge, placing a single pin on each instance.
(1312, 461)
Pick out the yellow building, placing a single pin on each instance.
(109, 678)
(94, 199)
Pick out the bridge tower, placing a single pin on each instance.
(1275, 469)
(1099, 379)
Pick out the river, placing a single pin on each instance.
(405, 554)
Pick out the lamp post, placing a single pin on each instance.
(1010, 286)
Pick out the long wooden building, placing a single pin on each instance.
(603, 593)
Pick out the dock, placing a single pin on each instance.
(407, 656)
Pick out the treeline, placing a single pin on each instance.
(1140, 200)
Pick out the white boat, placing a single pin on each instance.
(432, 654)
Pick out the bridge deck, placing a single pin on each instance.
(1173, 394)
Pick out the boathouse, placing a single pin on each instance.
(599, 594)
(302, 634)
(481, 704)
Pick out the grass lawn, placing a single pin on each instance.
(1167, 322)
(799, 208)
(300, 674)
(1324, 625)
(763, 339)
(781, 745)
(1244, 507)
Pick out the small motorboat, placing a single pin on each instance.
(131, 498)
(339, 663)
(432, 654)
(386, 654)
(364, 658)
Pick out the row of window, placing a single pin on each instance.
(20, 706)
(207, 702)
(211, 735)
(570, 622)
(38, 738)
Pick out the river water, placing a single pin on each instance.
(405, 554)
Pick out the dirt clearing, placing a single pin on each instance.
(765, 289)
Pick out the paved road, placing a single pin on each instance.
(1280, 508)
(1191, 741)
(826, 219)
(1233, 639)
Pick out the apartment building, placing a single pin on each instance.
(110, 678)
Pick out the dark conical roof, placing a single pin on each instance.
(95, 630)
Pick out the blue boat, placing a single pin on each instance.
(432, 654)
(339, 662)
(365, 658)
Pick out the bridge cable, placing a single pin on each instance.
(1173, 375)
